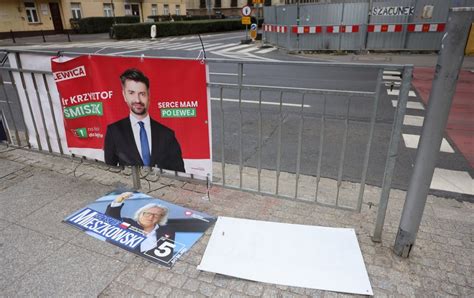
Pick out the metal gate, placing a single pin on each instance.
(287, 142)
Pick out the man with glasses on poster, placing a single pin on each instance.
(138, 139)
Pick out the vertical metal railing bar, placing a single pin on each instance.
(392, 152)
(221, 99)
(27, 97)
(10, 111)
(278, 161)
(241, 160)
(343, 150)
(300, 145)
(259, 153)
(48, 141)
(15, 88)
(50, 100)
(369, 141)
(136, 177)
(321, 147)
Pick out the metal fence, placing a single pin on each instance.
(260, 138)
(358, 25)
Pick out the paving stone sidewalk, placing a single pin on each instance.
(41, 256)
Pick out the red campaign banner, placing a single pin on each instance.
(103, 97)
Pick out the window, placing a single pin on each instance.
(154, 10)
(166, 9)
(233, 3)
(108, 10)
(178, 10)
(128, 10)
(31, 13)
(76, 10)
(217, 3)
(202, 3)
(132, 10)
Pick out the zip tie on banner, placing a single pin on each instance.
(207, 197)
(202, 51)
(201, 56)
(142, 57)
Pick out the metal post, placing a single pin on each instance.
(241, 159)
(58, 138)
(7, 100)
(276, 22)
(392, 152)
(221, 98)
(40, 107)
(341, 24)
(369, 141)
(300, 146)
(321, 147)
(42, 34)
(260, 137)
(278, 162)
(444, 85)
(13, 36)
(297, 24)
(369, 13)
(113, 10)
(136, 177)
(68, 36)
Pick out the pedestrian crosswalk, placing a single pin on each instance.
(187, 43)
(443, 179)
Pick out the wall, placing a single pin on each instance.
(13, 16)
(356, 12)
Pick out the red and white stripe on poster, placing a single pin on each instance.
(103, 98)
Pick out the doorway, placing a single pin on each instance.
(56, 16)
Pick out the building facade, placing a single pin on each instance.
(228, 8)
(25, 17)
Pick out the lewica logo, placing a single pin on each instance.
(70, 74)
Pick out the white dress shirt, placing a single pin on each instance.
(136, 132)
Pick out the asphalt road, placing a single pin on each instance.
(302, 124)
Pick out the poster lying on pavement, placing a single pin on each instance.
(137, 111)
(287, 254)
(152, 228)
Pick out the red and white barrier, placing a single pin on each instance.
(275, 28)
(426, 27)
(343, 29)
(355, 28)
(329, 29)
(306, 29)
(385, 28)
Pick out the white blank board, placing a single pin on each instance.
(287, 254)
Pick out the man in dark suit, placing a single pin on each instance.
(138, 139)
